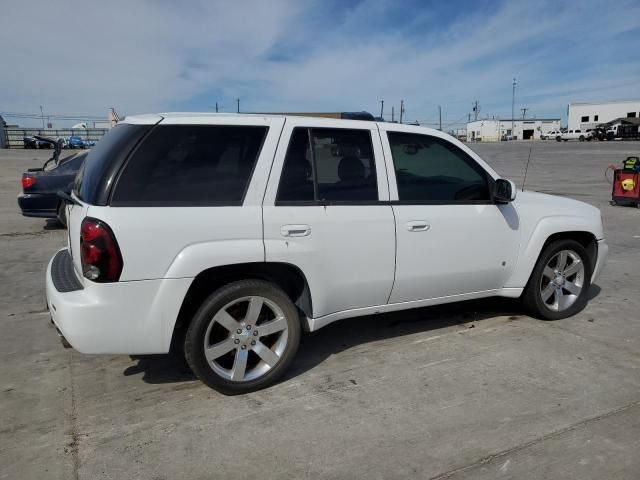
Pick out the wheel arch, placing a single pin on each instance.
(287, 276)
(530, 253)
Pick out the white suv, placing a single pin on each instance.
(226, 235)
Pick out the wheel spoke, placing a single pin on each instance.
(219, 349)
(574, 268)
(273, 326)
(572, 288)
(253, 311)
(266, 354)
(549, 273)
(226, 320)
(558, 296)
(562, 260)
(239, 365)
(547, 292)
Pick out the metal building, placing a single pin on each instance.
(491, 130)
(588, 115)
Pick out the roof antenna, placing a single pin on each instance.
(526, 169)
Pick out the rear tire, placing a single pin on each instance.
(558, 288)
(243, 337)
(581, 138)
(558, 139)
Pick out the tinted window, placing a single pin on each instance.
(191, 165)
(329, 165)
(430, 169)
(93, 183)
(296, 181)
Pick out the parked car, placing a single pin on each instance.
(552, 135)
(575, 135)
(40, 187)
(36, 142)
(78, 142)
(228, 235)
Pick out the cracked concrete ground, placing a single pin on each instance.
(472, 390)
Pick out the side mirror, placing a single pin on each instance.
(504, 191)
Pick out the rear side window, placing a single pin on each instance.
(183, 165)
(96, 176)
(329, 165)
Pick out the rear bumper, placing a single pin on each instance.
(603, 252)
(37, 205)
(122, 317)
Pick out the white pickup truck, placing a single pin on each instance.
(575, 135)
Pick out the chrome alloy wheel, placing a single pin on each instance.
(562, 280)
(246, 338)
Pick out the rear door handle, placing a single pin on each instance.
(295, 230)
(418, 226)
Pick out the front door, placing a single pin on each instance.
(326, 211)
(452, 238)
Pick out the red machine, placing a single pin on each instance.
(626, 183)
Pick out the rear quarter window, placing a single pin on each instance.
(182, 165)
(96, 175)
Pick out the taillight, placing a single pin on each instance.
(99, 252)
(28, 182)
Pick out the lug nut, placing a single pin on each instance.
(236, 341)
(239, 330)
(255, 333)
(243, 347)
(253, 342)
(248, 327)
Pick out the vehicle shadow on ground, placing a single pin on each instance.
(53, 224)
(316, 347)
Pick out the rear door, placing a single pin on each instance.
(326, 211)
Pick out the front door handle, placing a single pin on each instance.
(418, 226)
(295, 230)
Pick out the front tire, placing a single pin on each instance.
(559, 284)
(243, 337)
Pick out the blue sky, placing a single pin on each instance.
(77, 57)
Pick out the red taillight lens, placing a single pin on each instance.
(99, 252)
(28, 182)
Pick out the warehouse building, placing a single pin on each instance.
(492, 130)
(588, 115)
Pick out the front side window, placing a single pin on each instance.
(432, 170)
(329, 165)
(584, 119)
(185, 165)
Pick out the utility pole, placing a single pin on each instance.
(513, 103)
(42, 116)
(381, 108)
(216, 107)
(238, 102)
(468, 118)
(524, 112)
(401, 109)
(440, 116)
(392, 113)
(476, 110)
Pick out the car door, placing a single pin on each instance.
(326, 211)
(452, 239)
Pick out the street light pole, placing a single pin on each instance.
(513, 103)
(42, 116)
